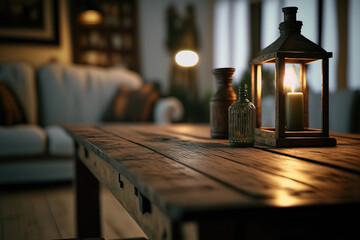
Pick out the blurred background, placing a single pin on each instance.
(145, 36)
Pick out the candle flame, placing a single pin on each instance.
(290, 78)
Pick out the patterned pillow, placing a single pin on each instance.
(131, 105)
(10, 111)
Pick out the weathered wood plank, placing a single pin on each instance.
(202, 131)
(27, 216)
(147, 214)
(346, 155)
(116, 223)
(254, 172)
(184, 174)
(61, 203)
(164, 181)
(353, 136)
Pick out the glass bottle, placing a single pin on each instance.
(242, 120)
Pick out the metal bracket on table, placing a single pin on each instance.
(144, 203)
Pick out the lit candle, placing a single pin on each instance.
(294, 104)
(294, 111)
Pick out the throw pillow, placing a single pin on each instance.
(131, 105)
(10, 110)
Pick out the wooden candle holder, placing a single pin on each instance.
(291, 47)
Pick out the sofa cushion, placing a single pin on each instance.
(79, 94)
(133, 105)
(20, 78)
(59, 142)
(10, 111)
(21, 140)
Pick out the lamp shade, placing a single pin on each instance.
(89, 13)
(187, 58)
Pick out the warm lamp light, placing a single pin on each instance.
(291, 92)
(187, 58)
(90, 17)
(294, 102)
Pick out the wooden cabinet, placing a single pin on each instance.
(112, 42)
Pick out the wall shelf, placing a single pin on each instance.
(114, 41)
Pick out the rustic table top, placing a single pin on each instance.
(186, 173)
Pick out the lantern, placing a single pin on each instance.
(291, 103)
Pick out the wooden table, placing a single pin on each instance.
(178, 183)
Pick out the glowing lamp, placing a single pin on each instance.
(289, 52)
(90, 17)
(187, 58)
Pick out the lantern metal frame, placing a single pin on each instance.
(291, 47)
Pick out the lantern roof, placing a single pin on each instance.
(291, 45)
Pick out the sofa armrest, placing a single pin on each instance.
(167, 110)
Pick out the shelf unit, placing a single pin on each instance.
(113, 42)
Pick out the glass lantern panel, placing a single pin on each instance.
(314, 92)
(268, 95)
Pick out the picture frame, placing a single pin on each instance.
(29, 22)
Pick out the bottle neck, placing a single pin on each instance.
(243, 94)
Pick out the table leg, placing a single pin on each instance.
(87, 202)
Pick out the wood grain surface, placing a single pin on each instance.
(168, 162)
(190, 176)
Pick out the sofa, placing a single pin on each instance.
(37, 148)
